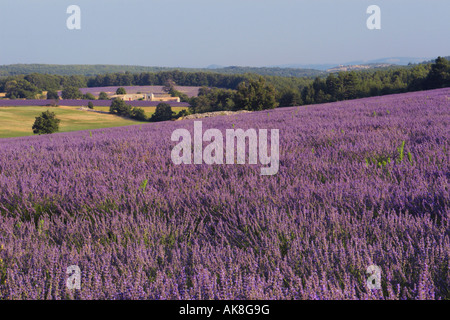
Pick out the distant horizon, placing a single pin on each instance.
(281, 66)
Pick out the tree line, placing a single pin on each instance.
(228, 92)
(163, 111)
(261, 94)
(360, 84)
(92, 70)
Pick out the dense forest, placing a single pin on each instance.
(241, 91)
(354, 85)
(75, 69)
(334, 87)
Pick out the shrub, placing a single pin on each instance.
(88, 96)
(103, 96)
(121, 90)
(182, 113)
(138, 114)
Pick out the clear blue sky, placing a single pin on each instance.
(197, 33)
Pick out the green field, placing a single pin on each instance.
(17, 121)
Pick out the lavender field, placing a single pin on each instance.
(76, 103)
(363, 182)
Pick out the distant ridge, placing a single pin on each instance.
(75, 69)
(286, 70)
(214, 66)
(402, 61)
(93, 70)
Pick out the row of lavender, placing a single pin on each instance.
(347, 196)
(75, 103)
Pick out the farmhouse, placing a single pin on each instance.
(161, 97)
(128, 97)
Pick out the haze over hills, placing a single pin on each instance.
(402, 61)
(287, 70)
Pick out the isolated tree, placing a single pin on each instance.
(52, 95)
(71, 93)
(90, 105)
(46, 123)
(163, 112)
(169, 85)
(121, 90)
(256, 95)
(103, 96)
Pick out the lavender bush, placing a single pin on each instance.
(361, 183)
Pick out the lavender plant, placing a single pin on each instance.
(140, 227)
